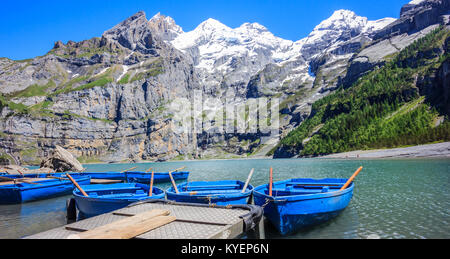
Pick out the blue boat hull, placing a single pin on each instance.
(219, 192)
(25, 192)
(159, 177)
(100, 202)
(291, 213)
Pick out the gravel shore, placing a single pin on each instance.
(431, 150)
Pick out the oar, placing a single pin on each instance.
(77, 185)
(350, 180)
(25, 180)
(6, 178)
(270, 181)
(176, 170)
(20, 172)
(128, 169)
(150, 192)
(148, 170)
(173, 181)
(248, 180)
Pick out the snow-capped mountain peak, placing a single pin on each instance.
(342, 19)
(219, 51)
(212, 25)
(345, 20)
(341, 26)
(253, 26)
(213, 40)
(165, 26)
(416, 2)
(168, 20)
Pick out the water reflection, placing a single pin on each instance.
(19, 220)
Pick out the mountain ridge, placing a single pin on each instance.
(108, 98)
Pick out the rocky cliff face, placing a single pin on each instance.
(98, 98)
(416, 16)
(417, 19)
(107, 98)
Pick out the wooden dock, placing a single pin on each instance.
(192, 221)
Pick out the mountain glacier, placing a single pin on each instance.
(219, 51)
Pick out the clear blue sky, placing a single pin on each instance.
(30, 28)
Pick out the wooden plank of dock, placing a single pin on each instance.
(128, 227)
(192, 222)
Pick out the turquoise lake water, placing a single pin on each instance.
(394, 198)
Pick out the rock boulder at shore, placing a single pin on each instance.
(62, 161)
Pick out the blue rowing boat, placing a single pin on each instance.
(298, 203)
(41, 188)
(105, 198)
(159, 177)
(218, 192)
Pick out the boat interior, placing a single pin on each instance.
(292, 188)
(205, 188)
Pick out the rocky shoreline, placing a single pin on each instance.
(438, 150)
